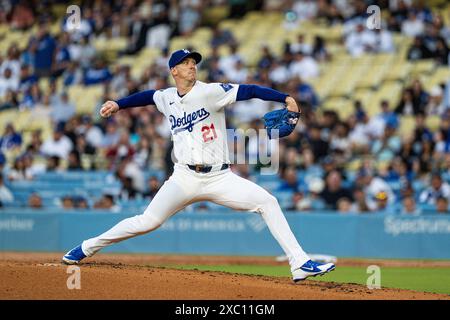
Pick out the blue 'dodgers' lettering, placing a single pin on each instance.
(188, 120)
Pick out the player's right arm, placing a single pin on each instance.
(139, 99)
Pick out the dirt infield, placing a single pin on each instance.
(41, 276)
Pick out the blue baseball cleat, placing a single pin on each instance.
(311, 269)
(74, 256)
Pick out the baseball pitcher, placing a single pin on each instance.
(195, 113)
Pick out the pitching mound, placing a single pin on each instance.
(41, 276)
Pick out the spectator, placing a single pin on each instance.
(442, 205)
(306, 94)
(384, 42)
(442, 139)
(360, 204)
(62, 109)
(422, 133)
(344, 205)
(120, 79)
(228, 62)
(409, 206)
(62, 55)
(418, 50)
(159, 30)
(313, 199)
(106, 202)
(137, 33)
(6, 195)
(53, 164)
(381, 200)
(305, 9)
(266, 59)
(436, 104)
(12, 62)
(334, 191)
(339, 140)
(438, 188)
(153, 187)
(67, 203)
(128, 192)
(7, 83)
(9, 101)
(143, 153)
(296, 202)
(304, 67)
(406, 105)
(360, 41)
(128, 168)
(221, 37)
(419, 95)
(239, 73)
(35, 201)
(42, 111)
(123, 148)
(373, 186)
(300, 45)
(11, 140)
(290, 181)
(42, 46)
(388, 116)
(318, 145)
(19, 172)
(26, 78)
(319, 51)
(35, 144)
(98, 73)
(83, 147)
(74, 161)
(442, 53)
(31, 98)
(413, 27)
(111, 136)
(72, 75)
(279, 72)
(59, 145)
(92, 133)
(215, 74)
(388, 146)
(189, 15)
(80, 203)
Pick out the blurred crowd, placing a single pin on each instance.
(408, 173)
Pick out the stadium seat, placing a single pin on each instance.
(407, 125)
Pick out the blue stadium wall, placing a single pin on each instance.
(376, 236)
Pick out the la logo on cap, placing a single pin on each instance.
(186, 51)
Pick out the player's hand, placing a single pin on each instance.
(108, 108)
(292, 105)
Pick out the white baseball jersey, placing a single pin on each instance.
(197, 121)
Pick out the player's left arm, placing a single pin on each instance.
(250, 91)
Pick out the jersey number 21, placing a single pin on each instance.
(207, 135)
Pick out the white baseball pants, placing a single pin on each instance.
(186, 186)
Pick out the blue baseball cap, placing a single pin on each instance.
(179, 55)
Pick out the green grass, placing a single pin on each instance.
(436, 280)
